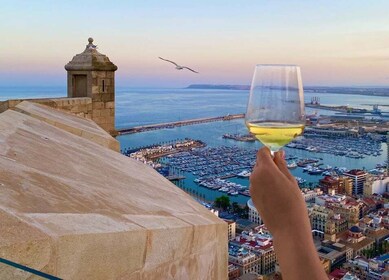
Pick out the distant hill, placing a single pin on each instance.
(376, 91)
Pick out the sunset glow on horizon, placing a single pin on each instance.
(336, 43)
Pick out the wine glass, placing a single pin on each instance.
(275, 110)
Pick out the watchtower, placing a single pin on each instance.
(92, 74)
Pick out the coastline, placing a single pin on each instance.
(368, 91)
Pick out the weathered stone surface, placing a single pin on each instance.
(73, 124)
(79, 210)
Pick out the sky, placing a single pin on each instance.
(336, 43)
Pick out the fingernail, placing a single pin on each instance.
(283, 154)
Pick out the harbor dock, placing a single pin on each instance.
(239, 137)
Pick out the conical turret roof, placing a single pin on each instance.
(90, 60)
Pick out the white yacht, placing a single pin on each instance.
(244, 173)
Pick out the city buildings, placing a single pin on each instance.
(260, 244)
(378, 234)
(233, 272)
(253, 213)
(319, 216)
(309, 195)
(365, 269)
(231, 229)
(356, 240)
(336, 185)
(244, 259)
(359, 178)
(347, 207)
(334, 225)
(375, 185)
(335, 252)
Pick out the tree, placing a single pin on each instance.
(222, 202)
(235, 208)
(245, 214)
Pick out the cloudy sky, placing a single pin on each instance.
(334, 42)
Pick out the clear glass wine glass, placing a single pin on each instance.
(275, 110)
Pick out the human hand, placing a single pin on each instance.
(276, 195)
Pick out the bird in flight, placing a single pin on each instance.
(179, 67)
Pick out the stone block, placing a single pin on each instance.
(105, 112)
(205, 236)
(81, 114)
(97, 97)
(95, 89)
(75, 108)
(110, 74)
(96, 113)
(109, 105)
(25, 244)
(82, 108)
(201, 267)
(169, 238)
(99, 74)
(107, 97)
(94, 246)
(98, 105)
(107, 82)
(110, 119)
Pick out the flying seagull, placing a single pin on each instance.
(179, 67)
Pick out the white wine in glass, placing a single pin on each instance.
(275, 111)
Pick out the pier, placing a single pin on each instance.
(239, 137)
(175, 177)
(144, 128)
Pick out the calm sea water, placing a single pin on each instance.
(139, 106)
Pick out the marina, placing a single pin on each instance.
(341, 146)
(210, 166)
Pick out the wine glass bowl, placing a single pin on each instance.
(275, 110)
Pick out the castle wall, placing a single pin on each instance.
(81, 106)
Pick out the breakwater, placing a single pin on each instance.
(144, 128)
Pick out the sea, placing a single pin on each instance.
(141, 106)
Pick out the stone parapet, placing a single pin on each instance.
(76, 209)
(81, 106)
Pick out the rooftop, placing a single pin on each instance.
(356, 172)
(344, 239)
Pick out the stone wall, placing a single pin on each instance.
(103, 99)
(75, 208)
(100, 107)
(81, 106)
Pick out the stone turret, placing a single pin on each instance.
(92, 74)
